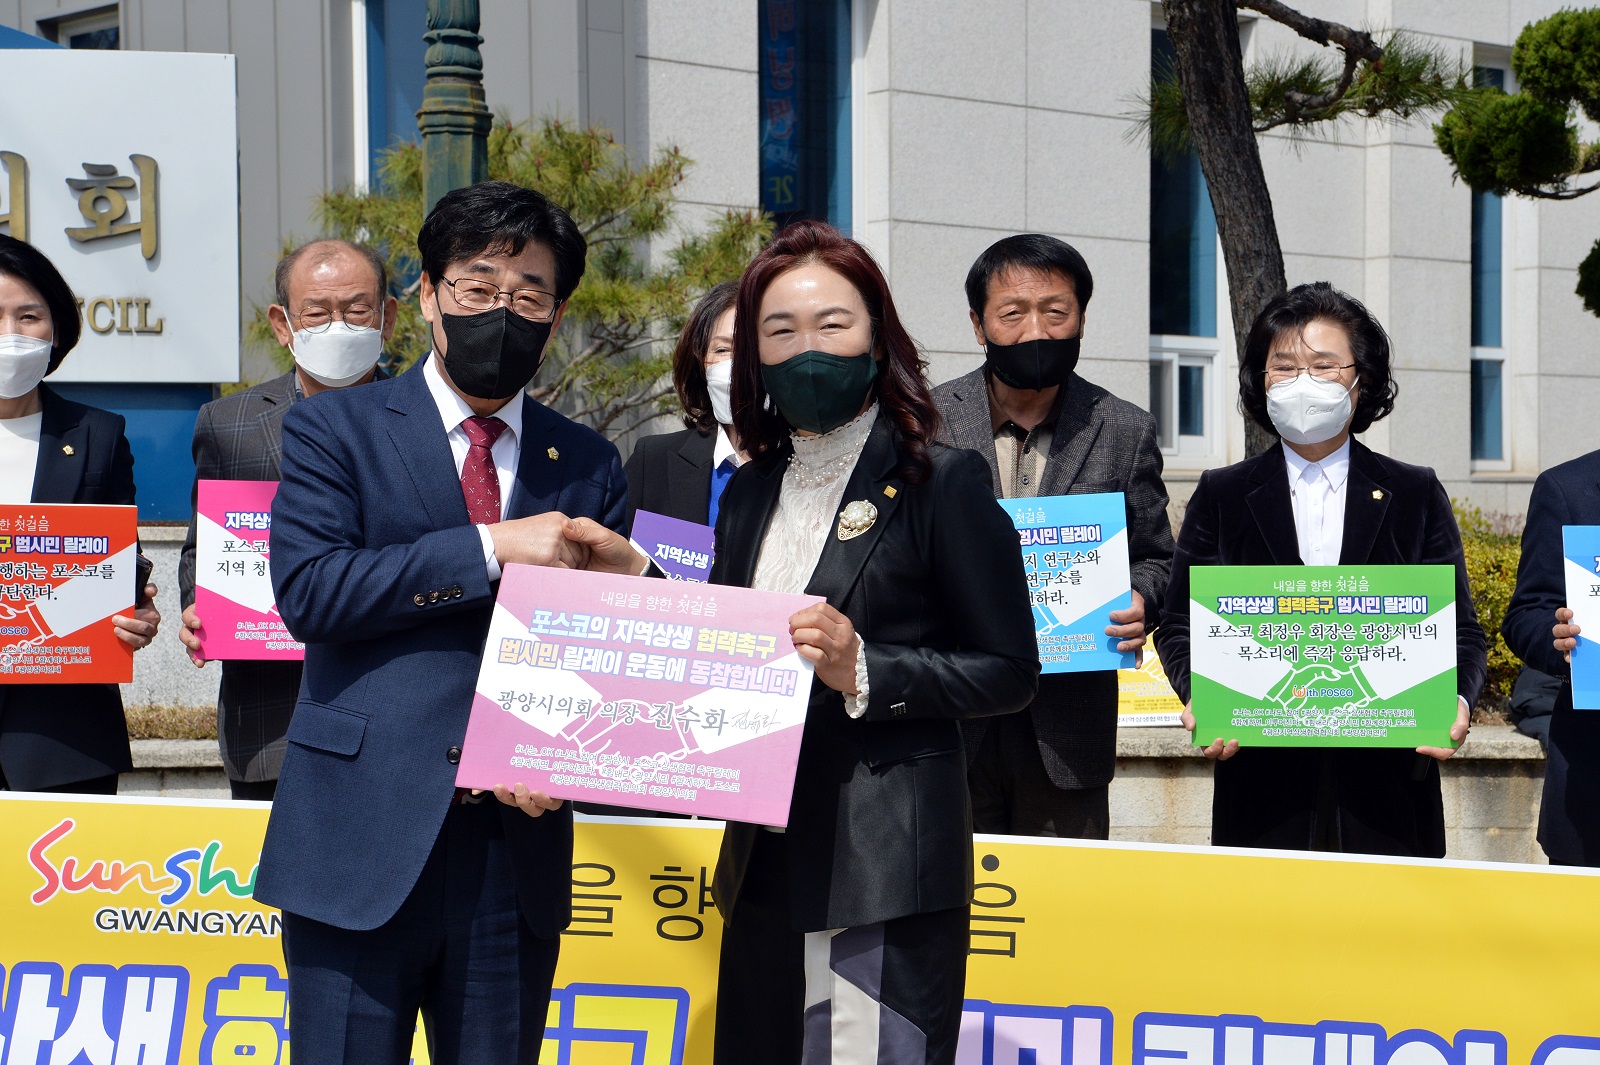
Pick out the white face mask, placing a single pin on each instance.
(1309, 411)
(23, 362)
(719, 384)
(340, 355)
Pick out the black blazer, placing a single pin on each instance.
(1381, 801)
(54, 734)
(880, 826)
(671, 474)
(1569, 814)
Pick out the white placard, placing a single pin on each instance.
(150, 245)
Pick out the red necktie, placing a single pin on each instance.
(480, 484)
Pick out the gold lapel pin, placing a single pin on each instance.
(553, 453)
(856, 519)
(1377, 493)
(66, 449)
(889, 491)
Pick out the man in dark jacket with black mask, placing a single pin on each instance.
(1046, 431)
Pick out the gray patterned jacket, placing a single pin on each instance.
(1100, 444)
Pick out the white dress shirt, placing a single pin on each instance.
(1318, 491)
(724, 449)
(19, 456)
(453, 410)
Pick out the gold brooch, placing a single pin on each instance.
(889, 491)
(856, 519)
(66, 449)
(1377, 493)
(553, 453)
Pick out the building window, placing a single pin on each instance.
(1181, 394)
(805, 110)
(1488, 303)
(96, 30)
(1184, 352)
(394, 51)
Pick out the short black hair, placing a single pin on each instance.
(1292, 312)
(1029, 251)
(689, 357)
(322, 249)
(500, 218)
(27, 263)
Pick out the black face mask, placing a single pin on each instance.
(1034, 364)
(493, 354)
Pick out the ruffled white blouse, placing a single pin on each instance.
(808, 503)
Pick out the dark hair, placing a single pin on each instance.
(689, 358)
(320, 251)
(27, 263)
(499, 218)
(1292, 312)
(1029, 251)
(901, 386)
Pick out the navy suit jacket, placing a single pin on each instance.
(379, 571)
(1569, 814)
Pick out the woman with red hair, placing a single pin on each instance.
(847, 932)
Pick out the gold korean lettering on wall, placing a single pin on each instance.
(103, 203)
(15, 202)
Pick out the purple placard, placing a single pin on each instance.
(682, 549)
(641, 693)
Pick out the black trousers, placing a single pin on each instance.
(458, 950)
(95, 786)
(253, 790)
(1013, 795)
(908, 973)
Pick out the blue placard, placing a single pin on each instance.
(1581, 546)
(681, 549)
(1075, 549)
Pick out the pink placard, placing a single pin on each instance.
(657, 695)
(233, 578)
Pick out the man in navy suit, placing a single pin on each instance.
(400, 502)
(1538, 629)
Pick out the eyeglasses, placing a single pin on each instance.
(318, 319)
(530, 303)
(1322, 371)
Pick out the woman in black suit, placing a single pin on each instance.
(682, 474)
(58, 737)
(1316, 368)
(858, 912)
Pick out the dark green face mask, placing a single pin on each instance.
(819, 392)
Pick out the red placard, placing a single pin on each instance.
(65, 570)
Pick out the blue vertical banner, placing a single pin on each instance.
(1581, 546)
(780, 107)
(1075, 549)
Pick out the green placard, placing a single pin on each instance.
(1323, 656)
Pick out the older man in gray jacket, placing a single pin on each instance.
(333, 314)
(1046, 431)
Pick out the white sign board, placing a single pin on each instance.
(123, 168)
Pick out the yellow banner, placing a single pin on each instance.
(127, 934)
(1145, 696)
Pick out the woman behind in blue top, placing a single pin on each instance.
(682, 474)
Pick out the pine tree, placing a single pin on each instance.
(1212, 104)
(1527, 143)
(609, 364)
